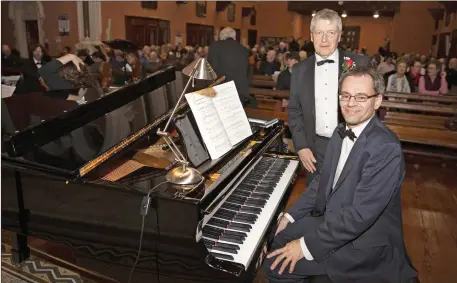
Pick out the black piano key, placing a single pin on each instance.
(240, 226)
(225, 232)
(229, 225)
(222, 249)
(224, 245)
(222, 256)
(227, 238)
(260, 196)
(242, 208)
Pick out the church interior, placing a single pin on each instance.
(115, 178)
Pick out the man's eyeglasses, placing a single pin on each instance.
(357, 98)
(330, 34)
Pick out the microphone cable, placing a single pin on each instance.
(145, 204)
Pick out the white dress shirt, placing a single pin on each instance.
(326, 95)
(37, 65)
(346, 148)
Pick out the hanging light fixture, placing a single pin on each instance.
(344, 14)
(376, 15)
(314, 13)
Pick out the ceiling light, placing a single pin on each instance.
(376, 15)
(314, 13)
(344, 14)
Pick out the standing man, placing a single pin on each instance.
(313, 108)
(228, 57)
(347, 226)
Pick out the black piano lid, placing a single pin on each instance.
(22, 142)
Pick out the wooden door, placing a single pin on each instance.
(147, 31)
(453, 50)
(252, 37)
(200, 35)
(442, 45)
(351, 36)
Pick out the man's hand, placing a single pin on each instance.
(307, 158)
(291, 253)
(282, 224)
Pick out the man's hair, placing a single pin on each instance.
(378, 81)
(294, 55)
(329, 15)
(227, 32)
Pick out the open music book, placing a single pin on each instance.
(221, 119)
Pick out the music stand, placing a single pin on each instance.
(184, 175)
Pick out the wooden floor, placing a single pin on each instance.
(429, 219)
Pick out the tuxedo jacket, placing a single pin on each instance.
(30, 77)
(302, 112)
(356, 231)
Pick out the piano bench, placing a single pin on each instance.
(319, 279)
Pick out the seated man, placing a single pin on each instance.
(348, 224)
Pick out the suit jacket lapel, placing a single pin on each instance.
(340, 62)
(336, 152)
(356, 151)
(311, 87)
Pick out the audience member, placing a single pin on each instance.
(434, 82)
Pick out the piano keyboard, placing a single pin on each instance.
(237, 227)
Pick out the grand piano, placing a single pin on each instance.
(79, 173)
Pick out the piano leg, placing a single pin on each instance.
(20, 250)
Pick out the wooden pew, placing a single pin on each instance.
(263, 84)
(269, 93)
(422, 97)
(262, 78)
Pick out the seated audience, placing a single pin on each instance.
(11, 62)
(29, 82)
(415, 73)
(386, 66)
(284, 77)
(452, 73)
(434, 82)
(398, 82)
(270, 66)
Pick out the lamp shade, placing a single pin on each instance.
(200, 69)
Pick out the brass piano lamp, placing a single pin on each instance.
(184, 175)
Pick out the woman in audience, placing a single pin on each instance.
(452, 73)
(434, 82)
(398, 82)
(386, 66)
(415, 73)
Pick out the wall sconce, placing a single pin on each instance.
(376, 15)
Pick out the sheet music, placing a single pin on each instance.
(7, 90)
(210, 125)
(221, 119)
(231, 112)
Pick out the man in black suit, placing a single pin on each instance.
(29, 82)
(313, 105)
(348, 224)
(284, 77)
(228, 57)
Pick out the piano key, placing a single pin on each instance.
(275, 193)
(222, 256)
(225, 232)
(224, 245)
(222, 249)
(229, 225)
(241, 208)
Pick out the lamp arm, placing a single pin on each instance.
(179, 100)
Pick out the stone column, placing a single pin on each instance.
(89, 24)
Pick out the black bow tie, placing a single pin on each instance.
(38, 63)
(346, 133)
(320, 63)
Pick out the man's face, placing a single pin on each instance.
(271, 56)
(38, 53)
(417, 67)
(6, 50)
(325, 37)
(355, 112)
(432, 70)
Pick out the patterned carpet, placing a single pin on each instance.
(36, 270)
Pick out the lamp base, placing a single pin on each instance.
(183, 177)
